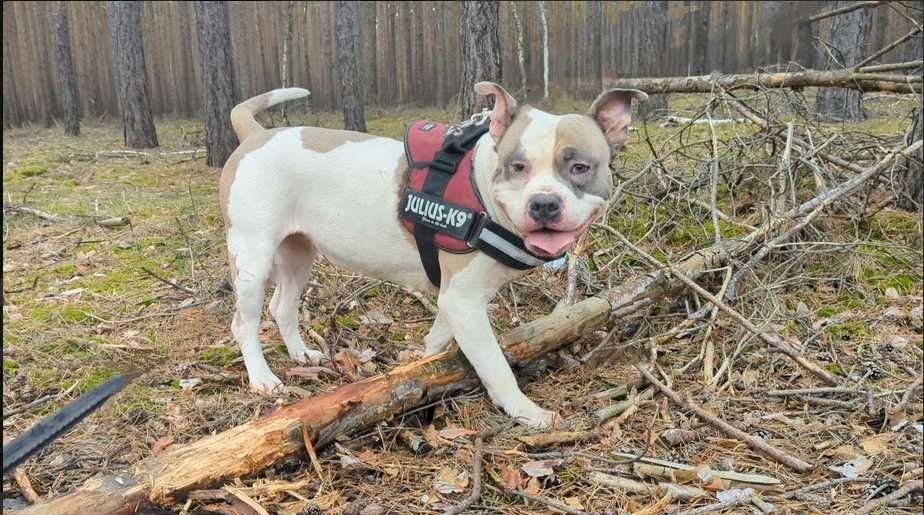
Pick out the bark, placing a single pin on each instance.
(654, 46)
(911, 177)
(368, 35)
(217, 80)
(189, 104)
(239, 38)
(544, 24)
(128, 61)
(481, 57)
(417, 71)
(808, 78)
(521, 59)
(701, 40)
(67, 77)
(593, 81)
(12, 115)
(846, 37)
(351, 96)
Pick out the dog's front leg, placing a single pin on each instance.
(467, 314)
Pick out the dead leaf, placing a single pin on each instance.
(574, 502)
(877, 444)
(375, 317)
(532, 486)
(854, 468)
(845, 452)
(451, 433)
(328, 501)
(448, 481)
(161, 444)
(347, 363)
(540, 468)
(511, 477)
(432, 437)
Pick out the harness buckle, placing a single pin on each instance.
(476, 119)
(481, 220)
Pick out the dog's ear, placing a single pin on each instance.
(612, 111)
(504, 108)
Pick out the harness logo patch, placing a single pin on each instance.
(427, 126)
(434, 212)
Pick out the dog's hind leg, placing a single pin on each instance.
(252, 264)
(291, 270)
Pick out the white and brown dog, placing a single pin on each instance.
(290, 193)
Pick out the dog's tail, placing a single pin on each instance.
(242, 116)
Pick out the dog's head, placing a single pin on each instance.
(553, 172)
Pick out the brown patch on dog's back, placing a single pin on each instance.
(322, 140)
(581, 133)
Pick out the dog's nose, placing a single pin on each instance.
(544, 207)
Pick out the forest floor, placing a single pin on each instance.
(83, 302)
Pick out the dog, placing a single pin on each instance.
(290, 193)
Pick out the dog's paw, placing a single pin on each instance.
(267, 384)
(307, 356)
(536, 417)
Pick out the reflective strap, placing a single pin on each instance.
(511, 250)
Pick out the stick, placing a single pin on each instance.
(25, 486)
(168, 282)
(755, 443)
(809, 78)
(772, 340)
(812, 391)
(908, 65)
(477, 458)
(834, 12)
(886, 49)
(906, 489)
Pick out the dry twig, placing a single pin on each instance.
(758, 444)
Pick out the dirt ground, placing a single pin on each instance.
(83, 302)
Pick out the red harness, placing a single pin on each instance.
(441, 206)
(421, 143)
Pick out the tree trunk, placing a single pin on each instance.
(351, 97)
(217, 80)
(544, 25)
(12, 117)
(239, 38)
(369, 60)
(481, 57)
(417, 68)
(911, 178)
(846, 37)
(128, 61)
(593, 82)
(701, 40)
(654, 46)
(521, 59)
(287, 52)
(67, 78)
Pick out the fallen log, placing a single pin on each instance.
(837, 78)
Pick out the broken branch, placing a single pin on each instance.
(862, 81)
(753, 442)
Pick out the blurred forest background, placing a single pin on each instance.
(410, 52)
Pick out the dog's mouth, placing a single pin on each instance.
(550, 242)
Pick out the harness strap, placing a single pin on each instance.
(455, 145)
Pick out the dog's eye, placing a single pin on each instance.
(579, 169)
(518, 167)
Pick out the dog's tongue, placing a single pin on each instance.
(552, 243)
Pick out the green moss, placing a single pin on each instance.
(62, 314)
(72, 347)
(10, 365)
(827, 311)
(347, 322)
(32, 170)
(882, 279)
(96, 377)
(219, 356)
(65, 269)
(847, 330)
